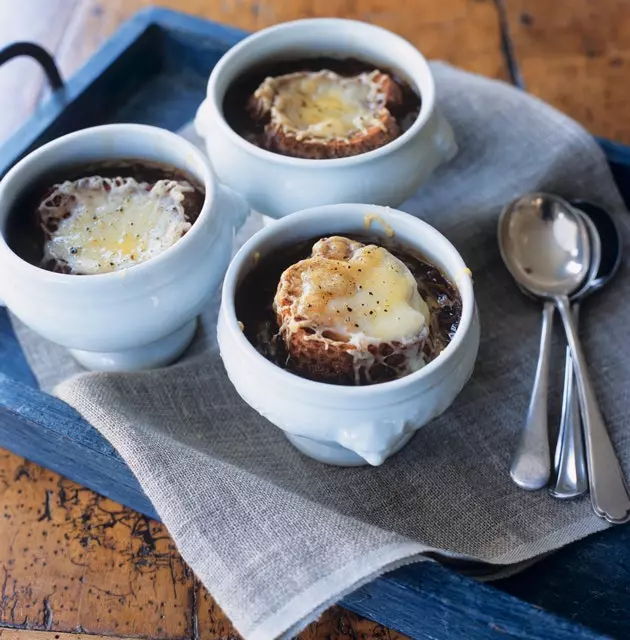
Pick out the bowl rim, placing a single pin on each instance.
(138, 270)
(415, 66)
(463, 282)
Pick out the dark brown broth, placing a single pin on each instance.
(255, 294)
(240, 91)
(24, 234)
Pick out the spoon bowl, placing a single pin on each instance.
(600, 269)
(610, 244)
(545, 245)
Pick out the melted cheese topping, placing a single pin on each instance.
(324, 105)
(96, 225)
(361, 293)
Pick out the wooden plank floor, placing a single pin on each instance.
(577, 59)
(74, 564)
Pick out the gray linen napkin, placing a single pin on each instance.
(277, 537)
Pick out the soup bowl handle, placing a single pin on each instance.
(443, 137)
(236, 206)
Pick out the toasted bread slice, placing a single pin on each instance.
(320, 115)
(340, 348)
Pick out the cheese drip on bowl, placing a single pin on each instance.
(97, 225)
(323, 105)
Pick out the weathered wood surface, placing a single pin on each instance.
(19, 634)
(577, 57)
(73, 563)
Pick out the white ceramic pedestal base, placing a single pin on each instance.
(333, 453)
(155, 354)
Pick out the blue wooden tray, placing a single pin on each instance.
(154, 70)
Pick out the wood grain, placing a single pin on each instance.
(22, 634)
(464, 32)
(72, 561)
(577, 58)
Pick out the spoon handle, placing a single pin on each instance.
(609, 494)
(570, 479)
(531, 463)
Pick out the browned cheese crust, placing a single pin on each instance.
(285, 142)
(56, 206)
(321, 354)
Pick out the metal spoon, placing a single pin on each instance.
(546, 247)
(571, 479)
(531, 464)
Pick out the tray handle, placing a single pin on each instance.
(17, 49)
(40, 54)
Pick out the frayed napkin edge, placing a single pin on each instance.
(309, 607)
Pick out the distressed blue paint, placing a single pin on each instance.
(154, 70)
(12, 361)
(430, 602)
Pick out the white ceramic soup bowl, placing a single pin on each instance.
(136, 318)
(347, 425)
(278, 185)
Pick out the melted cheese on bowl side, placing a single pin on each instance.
(323, 105)
(97, 225)
(361, 293)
